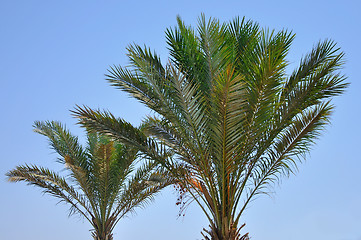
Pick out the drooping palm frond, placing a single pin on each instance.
(52, 184)
(229, 121)
(103, 181)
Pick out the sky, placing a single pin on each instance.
(54, 54)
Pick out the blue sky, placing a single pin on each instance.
(54, 54)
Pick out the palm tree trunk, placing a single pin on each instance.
(233, 233)
(102, 236)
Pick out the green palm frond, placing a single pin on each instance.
(105, 123)
(52, 184)
(61, 141)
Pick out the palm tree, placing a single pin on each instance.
(229, 121)
(102, 183)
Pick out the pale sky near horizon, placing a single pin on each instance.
(54, 54)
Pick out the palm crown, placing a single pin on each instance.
(102, 182)
(228, 120)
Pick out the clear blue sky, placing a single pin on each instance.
(54, 54)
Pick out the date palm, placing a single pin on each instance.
(229, 120)
(102, 182)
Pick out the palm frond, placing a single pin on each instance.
(53, 184)
(61, 140)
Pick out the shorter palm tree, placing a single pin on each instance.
(102, 183)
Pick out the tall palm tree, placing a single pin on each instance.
(102, 182)
(229, 120)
